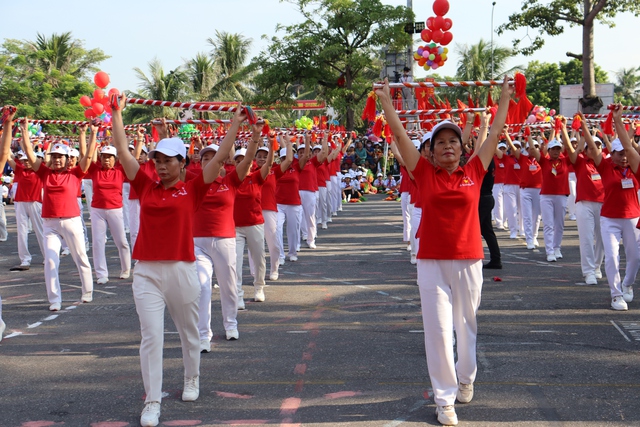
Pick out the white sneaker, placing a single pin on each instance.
(312, 245)
(536, 243)
(513, 235)
(618, 303)
(65, 252)
(465, 393)
(557, 253)
(409, 247)
(241, 305)
(258, 296)
(281, 261)
(598, 274)
(102, 281)
(56, 306)
(590, 279)
(150, 416)
(87, 297)
(125, 275)
(293, 258)
(3, 326)
(274, 276)
(627, 293)
(191, 389)
(205, 346)
(572, 217)
(447, 415)
(232, 334)
(413, 259)
(324, 226)
(551, 258)
(530, 245)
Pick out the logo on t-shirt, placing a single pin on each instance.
(223, 187)
(466, 182)
(180, 192)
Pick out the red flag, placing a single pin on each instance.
(470, 101)
(489, 100)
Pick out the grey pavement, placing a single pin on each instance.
(338, 342)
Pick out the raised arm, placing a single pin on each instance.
(289, 158)
(632, 155)
(212, 170)
(594, 152)
(264, 170)
(324, 151)
(129, 163)
(573, 153)
(26, 145)
(7, 127)
(85, 161)
(244, 167)
(302, 159)
(487, 150)
(82, 140)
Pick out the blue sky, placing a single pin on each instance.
(134, 32)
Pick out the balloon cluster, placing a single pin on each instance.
(34, 131)
(304, 122)
(541, 114)
(187, 131)
(436, 35)
(98, 106)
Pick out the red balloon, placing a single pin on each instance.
(438, 22)
(113, 91)
(430, 23)
(98, 94)
(88, 113)
(85, 101)
(422, 62)
(98, 108)
(441, 7)
(101, 79)
(446, 38)
(107, 109)
(426, 35)
(448, 23)
(437, 36)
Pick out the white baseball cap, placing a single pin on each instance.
(21, 155)
(446, 124)
(426, 137)
(502, 145)
(109, 149)
(283, 152)
(316, 147)
(616, 145)
(59, 149)
(212, 147)
(597, 140)
(240, 152)
(74, 153)
(553, 144)
(171, 147)
(416, 142)
(265, 149)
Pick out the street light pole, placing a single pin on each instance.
(493, 6)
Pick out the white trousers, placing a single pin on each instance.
(498, 208)
(416, 215)
(100, 220)
(553, 209)
(308, 219)
(590, 236)
(530, 208)
(613, 231)
(253, 236)
(406, 206)
(174, 285)
(126, 189)
(571, 200)
(134, 221)
(3, 224)
(271, 237)
(25, 212)
(336, 194)
(322, 213)
(219, 255)
(290, 214)
(69, 229)
(88, 192)
(511, 203)
(450, 295)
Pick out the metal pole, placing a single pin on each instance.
(493, 6)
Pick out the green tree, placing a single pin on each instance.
(230, 53)
(550, 18)
(333, 52)
(202, 75)
(627, 86)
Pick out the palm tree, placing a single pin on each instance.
(229, 54)
(627, 87)
(202, 74)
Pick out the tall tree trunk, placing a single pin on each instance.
(590, 102)
(348, 80)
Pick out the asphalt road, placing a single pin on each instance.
(338, 342)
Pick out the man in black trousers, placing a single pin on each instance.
(486, 228)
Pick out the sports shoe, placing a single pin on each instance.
(125, 275)
(87, 297)
(465, 393)
(551, 258)
(492, 265)
(241, 305)
(627, 293)
(409, 247)
(536, 243)
(447, 415)
(56, 306)
(590, 279)
(293, 258)
(150, 416)
(232, 334)
(557, 253)
(530, 246)
(324, 224)
(65, 252)
(258, 296)
(572, 217)
(3, 326)
(598, 274)
(281, 261)
(205, 346)
(102, 281)
(312, 245)
(24, 266)
(513, 235)
(191, 389)
(274, 276)
(618, 303)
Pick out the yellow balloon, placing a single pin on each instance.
(443, 56)
(547, 119)
(446, 50)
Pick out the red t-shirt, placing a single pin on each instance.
(335, 166)
(512, 170)
(501, 171)
(107, 186)
(29, 184)
(268, 196)
(214, 218)
(247, 209)
(287, 185)
(405, 181)
(150, 169)
(195, 167)
(166, 218)
(589, 182)
(530, 172)
(619, 202)
(322, 172)
(60, 198)
(308, 180)
(555, 176)
(450, 210)
(416, 198)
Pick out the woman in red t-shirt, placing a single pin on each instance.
(449, 273)
(165, 275)
(61, 216)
